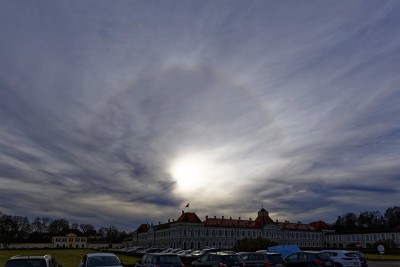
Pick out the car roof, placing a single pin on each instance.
(31, 257)
(94, 254)
(161, 254)
(336, 250)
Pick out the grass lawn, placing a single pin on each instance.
(65, 257)
(378, 257)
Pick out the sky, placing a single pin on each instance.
(122, 112)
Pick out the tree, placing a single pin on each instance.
(23, 228)
(370, 220)
(112, 233)
(339, 224)
(102, 232)
(74, 226)
(40, 224)
(392, 217)
(58, 226)
(8, 229)
(88, 229)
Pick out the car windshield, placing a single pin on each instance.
(351, 255)
(168, 259)
(103, 261)
(26, 263)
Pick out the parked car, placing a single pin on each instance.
(32, 261)
(261, 259)
(197, 253)
(160, 260)
(220, 259)
(100, 259)
(344, 258)
(185, 253)
(309, 258)
(362, 258)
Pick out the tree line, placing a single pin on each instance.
(19, 229)
(368, 220)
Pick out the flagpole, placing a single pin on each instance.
(188, 206)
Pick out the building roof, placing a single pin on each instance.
(222, 222)
(320, 225)
(261, 220)
(142, 228)
(295, 226)
(189, 217)
(71, 231)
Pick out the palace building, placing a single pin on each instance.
(189, 232)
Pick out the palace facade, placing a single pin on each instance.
(189, 232)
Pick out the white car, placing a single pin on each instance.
(344, 258)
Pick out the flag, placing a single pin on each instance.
(187, 205)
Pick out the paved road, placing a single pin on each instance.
(383, 263)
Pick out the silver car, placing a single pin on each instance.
(100, 260)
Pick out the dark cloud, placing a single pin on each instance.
(106, 109)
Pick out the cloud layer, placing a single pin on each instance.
(107, 108)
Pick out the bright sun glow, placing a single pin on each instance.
(189, 172)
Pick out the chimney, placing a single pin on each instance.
(239, 218)
(159, 223)
(249, 219)
(206, 217)
(222, 217)
(215, 217)
(230, 218)
(169, 220)
(183, 212)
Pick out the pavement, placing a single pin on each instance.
(383, 263)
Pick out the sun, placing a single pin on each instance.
(189, 172)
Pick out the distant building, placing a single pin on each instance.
(361, 239)
(72, 238)
(189, 232)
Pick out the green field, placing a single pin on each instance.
(378, 257)
(65, 257)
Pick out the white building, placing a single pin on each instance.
(188, 231)
(363, 239)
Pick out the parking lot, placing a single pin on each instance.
(383, 263)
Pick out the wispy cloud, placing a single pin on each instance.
(292, 106)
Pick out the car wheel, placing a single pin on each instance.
(337, 264)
